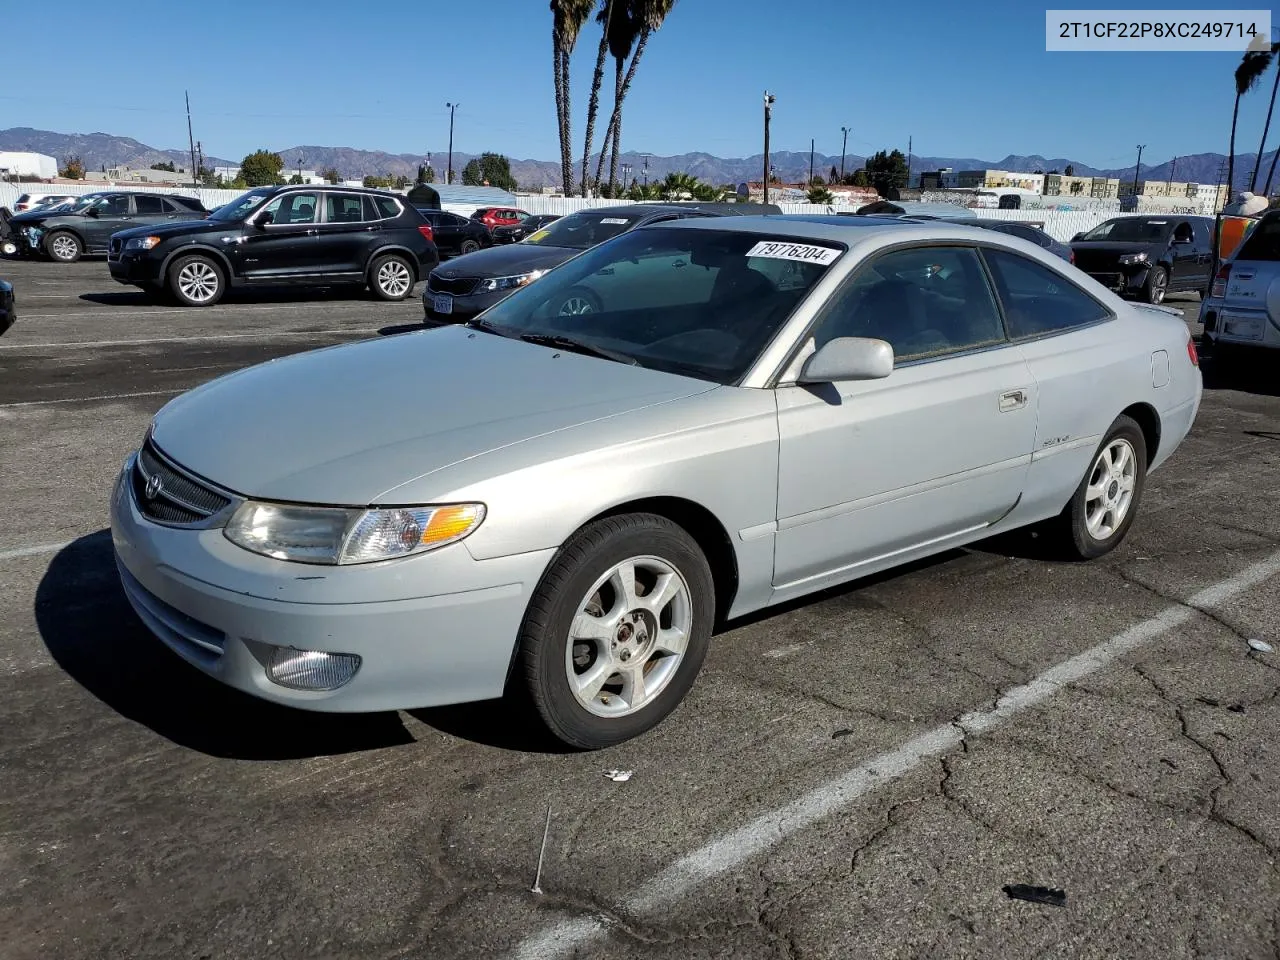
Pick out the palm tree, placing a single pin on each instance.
(648, 15)
(622, 38)
(606, 20)
(1252, 66)
(567, 20)
(1266, 127)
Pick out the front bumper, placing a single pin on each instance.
(435, 629)
(1122, 279)
(464, 308)
(128, 268)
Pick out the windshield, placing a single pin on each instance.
(700, 303)
(578, 231)
(83, 202)
(1131, 229)
(240, 207)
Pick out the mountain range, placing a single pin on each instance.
(102, 150)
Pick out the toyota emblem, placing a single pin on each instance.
(155, 483)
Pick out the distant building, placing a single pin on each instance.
(1061, 185)
(1000, 178)
(15, 163)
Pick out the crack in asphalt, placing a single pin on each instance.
(1164, 595)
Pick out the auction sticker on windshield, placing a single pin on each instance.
(614, 220)
(803, 252)
(535, 237)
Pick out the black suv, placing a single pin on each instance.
(1148, 256)
(456, 235)
(274, 236)
(67, 232)
(465, 287)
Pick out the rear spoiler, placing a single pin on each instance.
(1161, 308)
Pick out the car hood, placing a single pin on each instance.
(347, 424)
(506, 261)
(185, 227)
(33, 218)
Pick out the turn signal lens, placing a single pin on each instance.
(426, 231)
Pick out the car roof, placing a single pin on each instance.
(836, 228)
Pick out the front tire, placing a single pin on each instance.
(391, 277)
(196, 281)
(1103, 507)
(64, 247)
(1156, 286)
(617, 630)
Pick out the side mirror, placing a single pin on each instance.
(848, 358)
(92, 212)
(264, 219)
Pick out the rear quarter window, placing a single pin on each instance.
(1037, 300)
(387, 207)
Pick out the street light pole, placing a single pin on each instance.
(1136, 167)
(768, 115)
(448, 178)
(844, 148)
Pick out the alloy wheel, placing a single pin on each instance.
(394, 278)
(629, 636)
(198, 282)
(1109, 493)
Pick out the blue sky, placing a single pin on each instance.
(965, 80)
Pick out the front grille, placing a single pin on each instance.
(1111, 280)
(175, 498)
(458, 286)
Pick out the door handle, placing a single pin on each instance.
(1012, 400)
(311, 231)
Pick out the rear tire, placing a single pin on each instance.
(606, 654)
(469, 246)
(196, 281)
(391, 277)
(63, 246)
(1102, 509)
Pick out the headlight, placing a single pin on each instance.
(508, 283)
(334, 535)
(141, 243)
(1129, 258)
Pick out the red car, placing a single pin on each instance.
(499, 216)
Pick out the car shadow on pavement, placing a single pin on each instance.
(137, 298)
(1245, 373)
(507, 724)
(92, 633)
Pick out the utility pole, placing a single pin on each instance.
(199, 159)
(448, 177)
(844, 148)
(909, 144)
(645, 157)
(768, 115)
(1136, 167)
(1172, 167)
(191, 142)
(811, 161)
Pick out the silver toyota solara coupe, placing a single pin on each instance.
(560, 504)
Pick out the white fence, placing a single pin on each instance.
(1060, 224)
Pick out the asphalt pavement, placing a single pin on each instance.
(869, 773)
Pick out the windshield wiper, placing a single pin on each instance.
(577, 346)
(487, 327)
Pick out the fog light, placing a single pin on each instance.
(311, 669)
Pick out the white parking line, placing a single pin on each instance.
(209, 337)
(103, 396)
(114, 310)
(687, 874)
(33, 551)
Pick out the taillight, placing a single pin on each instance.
(1192, 353)
(1072, 258)
(426, 231)
(1220, 281)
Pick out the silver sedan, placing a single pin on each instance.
(564, 505)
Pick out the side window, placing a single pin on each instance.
(387, 208)
(1182, 232)
(292, 208)
(114, 206)
(149, 206)
(370, 211)
(172, 206)
(343, 207)
(925, 301)
(453, 220)
(1039, 301)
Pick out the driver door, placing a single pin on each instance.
(113, 213)
(285, 248)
